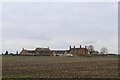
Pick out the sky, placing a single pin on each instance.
(59, 1)
(58, 25)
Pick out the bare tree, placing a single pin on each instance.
(6, 53)
(90, 49)
(103, 50)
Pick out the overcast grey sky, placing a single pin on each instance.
(59, 25)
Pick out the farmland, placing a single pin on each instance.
(59, 67)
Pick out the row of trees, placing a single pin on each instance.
(7, 53)
(91, 50)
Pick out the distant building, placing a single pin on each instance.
(58, 52)
(77, 51)
(47, 52)
(69, 54)
(37, 51)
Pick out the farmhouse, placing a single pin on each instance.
(27, 52)
(37, 51)
(77, 51)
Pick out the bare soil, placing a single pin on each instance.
(59, 67)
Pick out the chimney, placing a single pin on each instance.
(23, 49)
(86, 50)
(80, 46)
(74, 46)
(70, 47)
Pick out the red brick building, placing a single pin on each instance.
(77, 51)
(27, 52)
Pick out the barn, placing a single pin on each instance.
(37, 51)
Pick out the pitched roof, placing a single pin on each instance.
(30, 51)
(42, 49)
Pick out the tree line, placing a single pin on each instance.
(91, 50)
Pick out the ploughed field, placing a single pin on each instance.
(59, 67)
